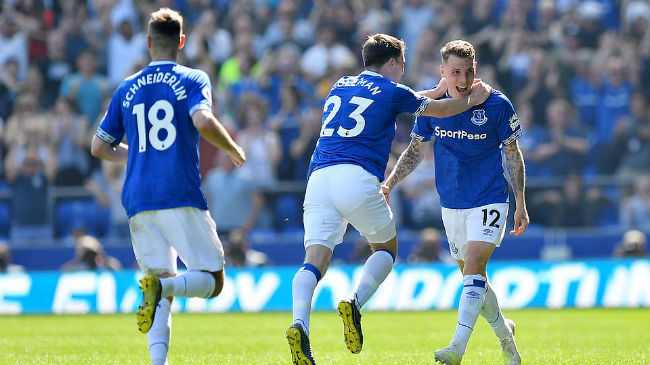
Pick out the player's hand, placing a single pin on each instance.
(479, 93)
(238, 156)
(442, 86)
(521, 221)
(385, 189)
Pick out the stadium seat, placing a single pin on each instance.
(71, 214)
(288, 212)
(5, 218)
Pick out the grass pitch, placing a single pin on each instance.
(563, 337)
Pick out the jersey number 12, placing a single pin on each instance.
(362, 105)
(156, 125)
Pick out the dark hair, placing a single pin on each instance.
(458, 48)
(379, 48)
(165, 27)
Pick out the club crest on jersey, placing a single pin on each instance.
(478, 117)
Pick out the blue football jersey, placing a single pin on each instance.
(153, 108)
(359, 121)
(468, 154)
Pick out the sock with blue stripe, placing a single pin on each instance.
(471, 301)
(304, 283)
(493, 315)
(192, 284)
(375, 271)
(160, 333)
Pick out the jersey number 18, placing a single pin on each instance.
(156, 125)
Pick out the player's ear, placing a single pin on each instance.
(181, 43)
(442, 71)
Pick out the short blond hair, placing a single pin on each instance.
(458, 48)
(165, 28)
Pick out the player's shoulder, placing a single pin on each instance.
(498, 100)
(191, 73)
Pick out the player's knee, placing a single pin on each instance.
(474, 262)
(219, 278)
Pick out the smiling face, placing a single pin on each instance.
(459, 73)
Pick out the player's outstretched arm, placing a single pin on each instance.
(407, 162)
(517, 174)
(106, 151)
(215, 133)
(447, 107)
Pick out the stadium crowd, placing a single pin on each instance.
(576, 72)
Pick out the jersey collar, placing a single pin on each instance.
(371, 73)
(159, 63)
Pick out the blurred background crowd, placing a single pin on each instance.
(576, 71)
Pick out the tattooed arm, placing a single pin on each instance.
(517, 173)
(407, 162)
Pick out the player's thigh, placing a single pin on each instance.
(454, 222)
(193, 233)
(323, 223)
(152, 252)
(487, 223)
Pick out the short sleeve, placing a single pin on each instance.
(423, 129)
(406, 100)
(199, 92)
(111, 129)
(508, 128)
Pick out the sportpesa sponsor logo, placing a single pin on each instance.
(443, 133)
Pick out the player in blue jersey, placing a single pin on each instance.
(343, 186)
(473, 189)
(163, 110)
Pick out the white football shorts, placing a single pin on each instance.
(160, 236)
(340, 194)
(485, 224)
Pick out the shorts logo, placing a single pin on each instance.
(478, 117)
(487, 232)
(453, 248)
(473, 294)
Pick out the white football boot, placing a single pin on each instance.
(510, 353)
(448, 356)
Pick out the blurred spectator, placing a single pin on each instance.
(584, 88)
(10, 86)
(301, 148)
(327, 53)
(238, 252)
(630, 148)
(6, 266)
(633, 245)
(13, 43)
(77, 40)
(286, 124)
(57, 66)
(573, 206)
(233, 201)
(413, 17)
(420, 197)
(428, 248)
(106, 187)
(125, 49)
(565, 149)
(635, 209)
(533, 136)
(262, 146)
(85, 88)
(208, 37)
(614, 103)
(90, 255)
(71, 142)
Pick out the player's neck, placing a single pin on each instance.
(164, 56)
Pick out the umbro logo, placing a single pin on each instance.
(473, 294)
(453, 248)
(487, 232)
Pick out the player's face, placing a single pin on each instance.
(459, 73)
(397, 69)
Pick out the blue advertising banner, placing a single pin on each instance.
(518, 284)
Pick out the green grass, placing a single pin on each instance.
(571, 337)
